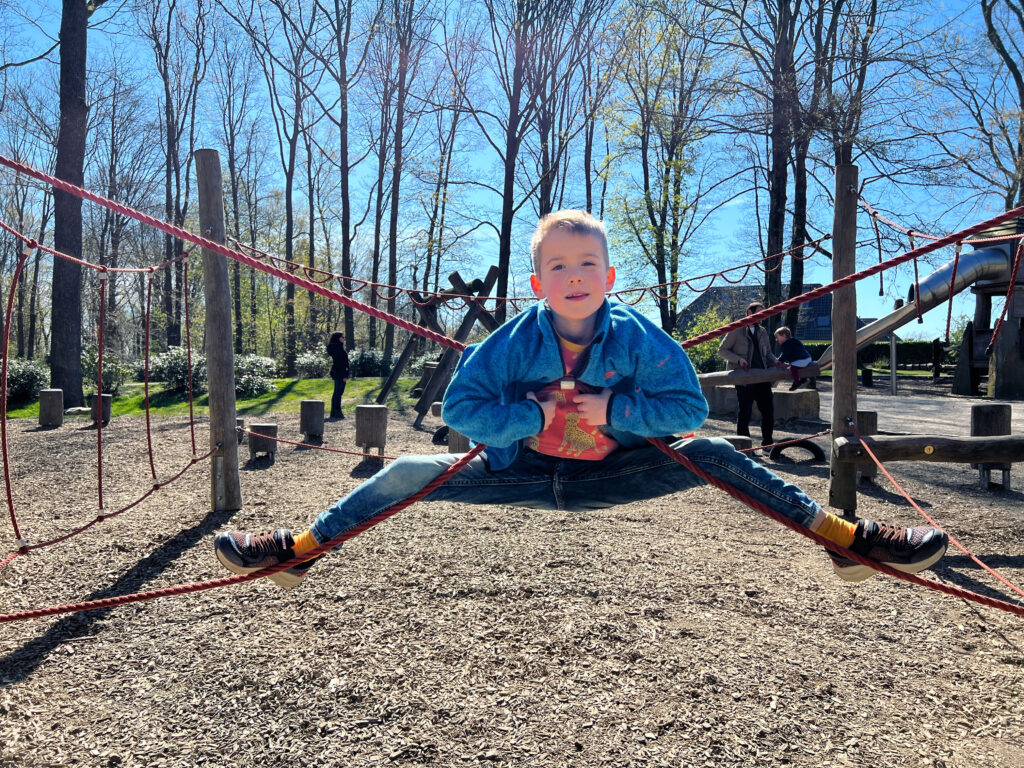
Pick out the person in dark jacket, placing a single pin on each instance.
(339, 372)
(749, 349)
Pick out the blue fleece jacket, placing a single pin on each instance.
(655, 389)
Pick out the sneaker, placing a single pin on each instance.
(906, 549)
(241, 552)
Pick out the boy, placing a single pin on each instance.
(563, 396)
(794, 353)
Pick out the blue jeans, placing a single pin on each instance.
(549, 482)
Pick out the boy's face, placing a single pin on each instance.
(572, 274)
(780, 338)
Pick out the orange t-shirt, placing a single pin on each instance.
(569, 435)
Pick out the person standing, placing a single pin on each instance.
(339, 372)
(749, 349)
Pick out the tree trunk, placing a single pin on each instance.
(66, 316)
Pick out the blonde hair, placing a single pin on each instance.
(784, 331)
(576, 222)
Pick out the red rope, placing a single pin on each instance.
(98, 403)
(780, 518)
(926, 516)
(785, 442)
(188, 353)
(952, 289)
(873, 270)
(107, 515)
(317, 447)
(3, 389)
(183, 589)
(222, 250)
(145, 379)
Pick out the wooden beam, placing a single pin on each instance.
(732, 378)
(956, 450)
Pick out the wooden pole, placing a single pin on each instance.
(842, 491)
(225, 484)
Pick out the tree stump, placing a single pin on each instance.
(372, 427)
(262, 439)
(107, 401)
(867, 424)
(457, 442)
(51, 407)
(740, 442)
(311, 418)
(239, 426)
(986, 421)
(435, 409)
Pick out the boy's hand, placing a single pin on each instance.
(593, 409)
(548, 406)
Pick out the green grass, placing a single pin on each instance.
(286, 399)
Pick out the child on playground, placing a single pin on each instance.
(792, 353)
(563, 396)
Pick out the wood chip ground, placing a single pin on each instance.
(689, 631)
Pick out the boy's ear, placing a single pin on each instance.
(609, 282)
(538, 291)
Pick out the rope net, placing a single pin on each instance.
(315, 282)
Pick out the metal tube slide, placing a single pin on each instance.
(990, 263)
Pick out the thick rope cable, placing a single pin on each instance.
(849, 554)
(28, 250)
(98, 402)
(926, 516)
(219, 248)
(183, 589)
(952, 288)
(803, 298)
(247, 431)
(785, 442)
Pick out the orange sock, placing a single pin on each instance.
(834, 528)
(304, 542)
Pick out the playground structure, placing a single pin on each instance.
(224, 476)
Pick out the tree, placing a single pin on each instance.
(671, 79)
(66, 313)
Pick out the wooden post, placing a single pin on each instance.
(311, 418)
(457, 442)
(225, 483)
(842, 491)
(51, 407)
(867, 424)
(990, 420)
(105, 403)
(372, 427)
(239, 425)
(262, 439)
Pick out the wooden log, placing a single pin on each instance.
(371, 427)
(867, 424)
(457, 442)
(51, 407)
(239, 425)
(311, 418)
(954, 450)
(107, 401)
(435, 408)
(740, 442)
(428, 372)
(263, 439)
(988, 420)
(842, 490)
(738, 377)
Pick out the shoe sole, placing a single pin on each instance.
(283, 579)
(858, 572)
